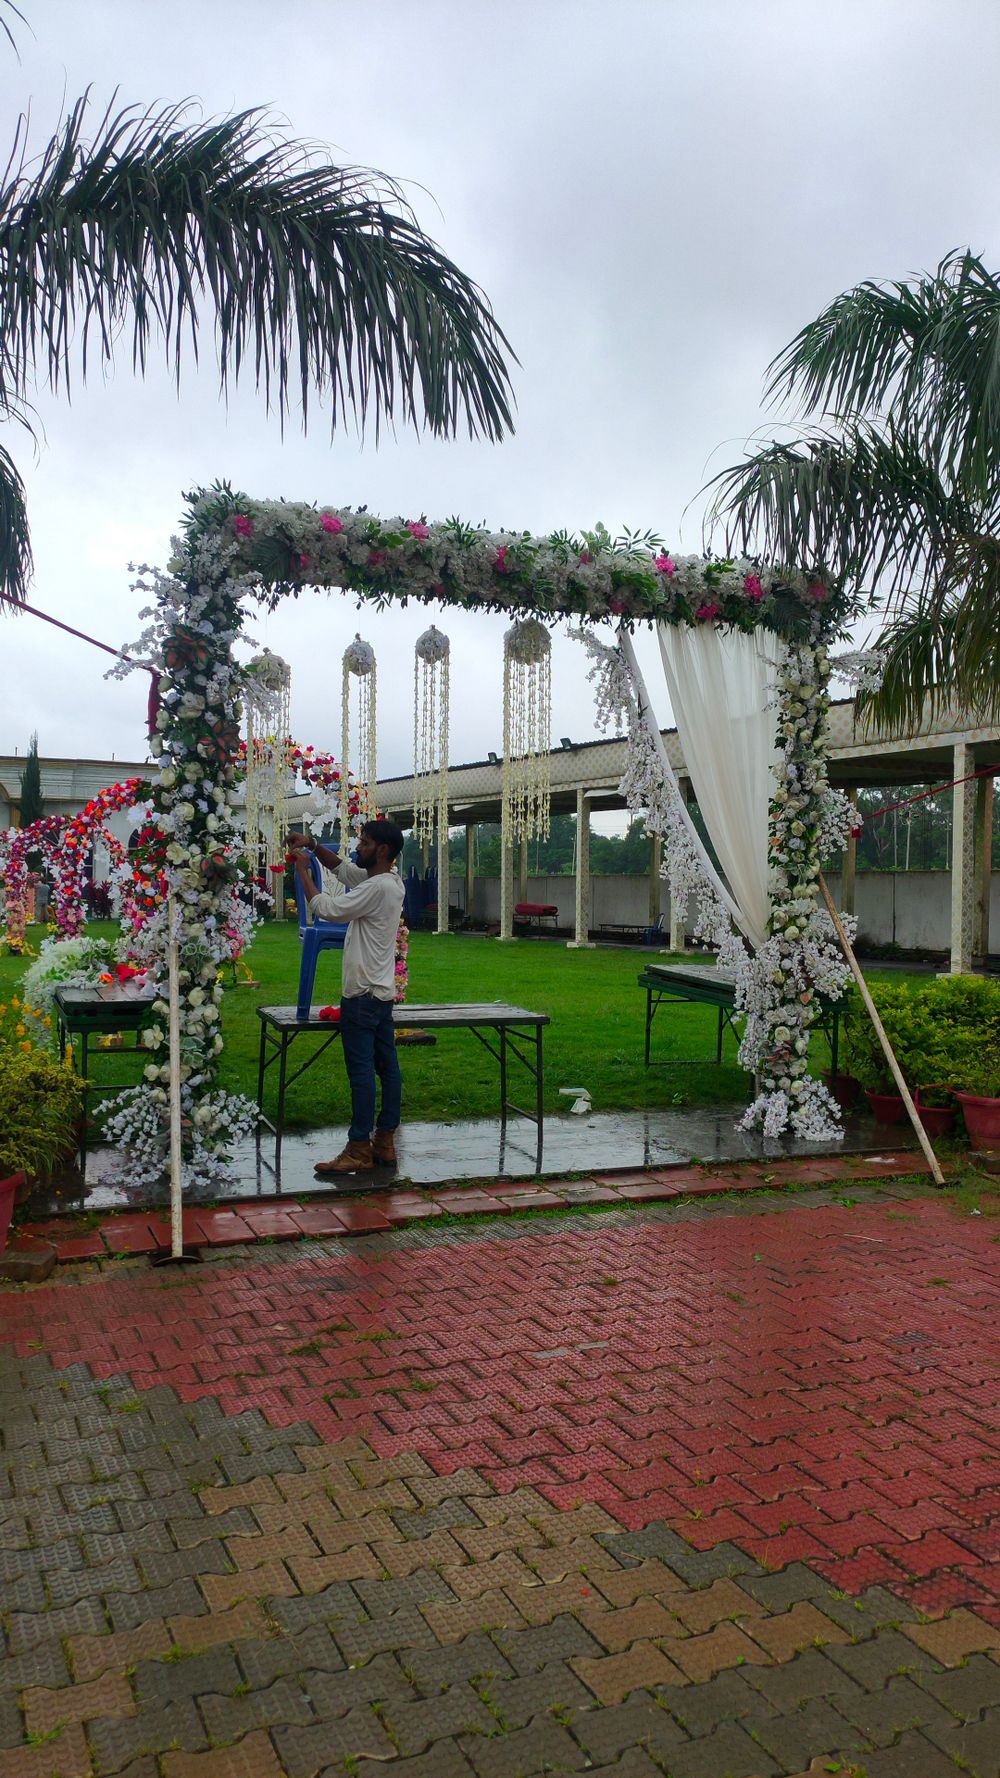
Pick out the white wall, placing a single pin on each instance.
(911, 909)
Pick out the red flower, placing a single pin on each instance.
(330, 1014)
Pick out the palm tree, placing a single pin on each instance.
(896, 487)
(312, 277)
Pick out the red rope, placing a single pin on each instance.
(935, 790)
(153, 702)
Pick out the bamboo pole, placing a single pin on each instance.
(855, 968)
(174, 1050)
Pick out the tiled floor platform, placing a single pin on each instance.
(699, 1489)
(345, 1213)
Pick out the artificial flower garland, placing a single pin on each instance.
(65, 842)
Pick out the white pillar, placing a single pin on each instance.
(655, 879)
(581, 941)
(984, 864)
(506, 934)
(522, 872)
(470, 869)
(963, 862)
(849, 861)
(678, 915)
(444, 870)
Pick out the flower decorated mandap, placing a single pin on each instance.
(235, 552)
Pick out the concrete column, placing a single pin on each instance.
(678, 915)
(444, 871)
(655, 879)
(984, 859)
(470, 869)
(522, 872)
(849, 862)
(506, 934)
(963, 862)
(581, 941)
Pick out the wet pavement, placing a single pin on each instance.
(698, 1491)
(434, 1153)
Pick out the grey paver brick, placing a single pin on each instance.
(913, 1756)
(433, 1668)
(639, 1722)
(788, 1587)
(237, 1522)
(305, 1752)
(967, 1690)
(456, 1712)
(333, 1694)
(536, 1694)
(634, 1763)
(159, 1682)
(11, 1726)
(540, 1747)
(812, 1674)
(312, 1648)
(284, 1702)
(117, 1576)
(180, 1599)
(873, 1662)
(335, 1604)
(26, 1630)
(815, 1730)
(728, 1749)
(160, 1567)
(117, 1740)
(405, 1628)
(902, 1704)
(380, 1597)
(727, 1697)
(44, 1664)
(445, 1760)
(564, 1638)
(27, 1593)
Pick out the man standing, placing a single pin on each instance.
(369, 896)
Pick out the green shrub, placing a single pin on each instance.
(945, 1032)
(41, 1102)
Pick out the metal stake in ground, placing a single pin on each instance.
(890, 1055)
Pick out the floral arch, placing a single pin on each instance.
(64, 841)
(234, 551)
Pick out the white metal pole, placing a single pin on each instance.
(174, 1042)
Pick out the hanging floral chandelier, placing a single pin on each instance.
(430, 733)
(359, 664)
(527, 729)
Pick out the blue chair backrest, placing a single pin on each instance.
(316, 870)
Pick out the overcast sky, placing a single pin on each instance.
(655, 195)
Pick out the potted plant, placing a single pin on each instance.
(41, 1103)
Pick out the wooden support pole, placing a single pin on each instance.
(890, 1056)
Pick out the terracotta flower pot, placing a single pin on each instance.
(8, 1192)
(887, 1108)
(846, 1089)
(938, 1120)
(982, 1119)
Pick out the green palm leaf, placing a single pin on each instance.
(310, 277)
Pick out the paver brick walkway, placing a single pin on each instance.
(696, 1493)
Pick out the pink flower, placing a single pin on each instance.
(416, 529)
(331, 524)
(617, 606)
(585, 556)
(817, 591)
(376, 557)
(242, 525)
(705, 613)
(665, 565)
(501, 558)
(304, 562)
(439, 590)
(753, 588)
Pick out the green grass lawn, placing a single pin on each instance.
(595, 1039)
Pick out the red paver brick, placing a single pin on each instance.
(223, 1228)
(268, 1221)
(317, 1219)
(128, 1234)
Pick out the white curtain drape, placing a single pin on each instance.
(719, 685)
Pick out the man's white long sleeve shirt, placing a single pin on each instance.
(372, 907)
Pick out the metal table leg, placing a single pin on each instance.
(280, 1115)
(718, 1041)
(503, 1075)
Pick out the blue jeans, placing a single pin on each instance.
(369, 1045)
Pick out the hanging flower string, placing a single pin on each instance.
(527, 730)
(431, 699)
(359, 665)
(265, 761)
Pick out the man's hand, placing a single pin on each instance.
(297, 842)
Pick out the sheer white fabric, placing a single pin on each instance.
(718, 682)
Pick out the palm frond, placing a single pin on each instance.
(315, 277)
(15, 540)
(867, 506)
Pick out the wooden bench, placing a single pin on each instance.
(717, 987)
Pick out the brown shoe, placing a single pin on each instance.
(384, 1148)
(357, 1157)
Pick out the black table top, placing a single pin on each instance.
(426, 1018)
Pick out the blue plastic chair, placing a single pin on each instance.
(322, 935)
